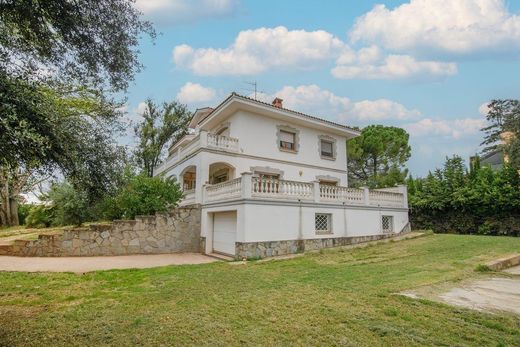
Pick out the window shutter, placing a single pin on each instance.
(326, 147)
(286, 136)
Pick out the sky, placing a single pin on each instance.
(428, 66)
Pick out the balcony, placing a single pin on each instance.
(202, 140)
(249, 187)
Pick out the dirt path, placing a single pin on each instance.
(86, 264)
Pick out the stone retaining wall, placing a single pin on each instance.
(274, 248)
(176, 231)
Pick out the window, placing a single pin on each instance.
(387, 223)
(322, 223)
(326, 149)
(287, 140)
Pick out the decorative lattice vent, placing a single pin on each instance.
(322, 222)
(388, 224)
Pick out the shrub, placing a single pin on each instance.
(23, 211)
(142, 195)
(69, 205)
(39, 216)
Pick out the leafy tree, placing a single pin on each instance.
(143, 195)
(503, 132)
(69, 206)
(377, 157)
(159, 126)
(88, 41)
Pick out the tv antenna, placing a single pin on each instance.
(255, 87)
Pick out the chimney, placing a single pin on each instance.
(277, 102)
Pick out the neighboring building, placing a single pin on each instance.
(496, 158)
(267, 177)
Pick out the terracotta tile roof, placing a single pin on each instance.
(277, 108)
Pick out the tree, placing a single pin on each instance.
(503, 132)
(88, 41)
(159, 126)
(377, 157)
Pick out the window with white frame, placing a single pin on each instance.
(387, 223)
(287, 140)
(327, 147)
(323, 223)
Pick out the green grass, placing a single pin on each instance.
(337, 297)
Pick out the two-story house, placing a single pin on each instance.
(270, 180)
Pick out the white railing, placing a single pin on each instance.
(222, 142)
(188, 198)
(281, 189)
(249, 187)
(342, 194)
(225, 190)
(382, 198)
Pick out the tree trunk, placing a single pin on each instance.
(14, 212)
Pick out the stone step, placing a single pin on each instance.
(220, 256)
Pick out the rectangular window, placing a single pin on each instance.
(388, 224)
(287, 140)
(326, 149)
(323, 223)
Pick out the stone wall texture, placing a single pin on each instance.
(274, 248)
(176, 231)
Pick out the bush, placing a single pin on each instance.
(70, 206)
(39, 216)
(23, 211)
(142, 195)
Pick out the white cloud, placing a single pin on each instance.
(484, 109)
(446, 26)
(456, 128)
(314, 100)
(254, 51)
(369, 64)
(193, 93)
(186, 11)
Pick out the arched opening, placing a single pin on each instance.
(188, 178)
(220, 172)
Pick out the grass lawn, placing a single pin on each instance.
(336, 297)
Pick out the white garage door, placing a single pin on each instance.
(224, 232)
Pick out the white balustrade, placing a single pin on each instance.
(281, 189)
(342, 194)
(222, 142)
(225, 190)
(388, 199)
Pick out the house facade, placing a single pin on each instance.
(271, 180)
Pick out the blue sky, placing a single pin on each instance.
(425, 65)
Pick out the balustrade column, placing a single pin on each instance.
(403, 189)
(316, 190)
(366, 195)
(246, 184)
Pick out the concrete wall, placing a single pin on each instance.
(177, 231)
(267, 221)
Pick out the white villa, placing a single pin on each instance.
(272, 181)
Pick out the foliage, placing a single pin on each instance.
(88, 41)
(452, 199)
(69, 206)
(142, 195)
(503, 133)
(377, 157)
(64, 128)
(40, 216)
(23, 212)
(159, 126)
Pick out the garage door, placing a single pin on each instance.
(224, 232)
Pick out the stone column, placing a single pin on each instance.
(316, 191)
(403, 189)
(246, 184)
(366, 195)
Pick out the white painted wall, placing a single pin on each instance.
(259, 222)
